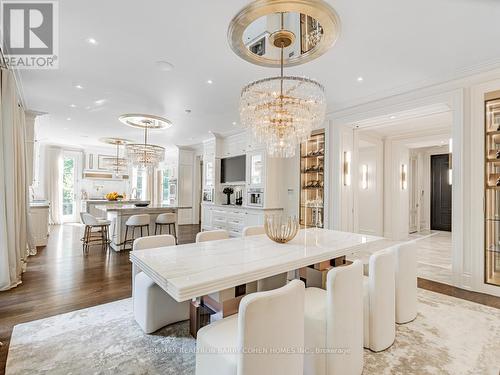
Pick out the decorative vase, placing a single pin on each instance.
(281, 228)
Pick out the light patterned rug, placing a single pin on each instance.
(449, 336)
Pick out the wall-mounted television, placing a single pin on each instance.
(233, 169)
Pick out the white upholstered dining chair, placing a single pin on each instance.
(253, 341)
(334, 320)
(254, 230)
(379, 302)
(272, 282)
(153, 307)
(212, 235)
(406, 283)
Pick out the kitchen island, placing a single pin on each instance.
(119, 213)
(90, 205)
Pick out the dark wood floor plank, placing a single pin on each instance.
(60, 279)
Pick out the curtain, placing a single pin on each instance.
(54, 169)
(14, 201)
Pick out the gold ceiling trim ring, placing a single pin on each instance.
(143, 121)
(115, 141)
(317, 9)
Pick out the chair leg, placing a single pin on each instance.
(175, 234)
(156, 227)
(84, 240)
(141, 231)
(148, 229)
(125, 240)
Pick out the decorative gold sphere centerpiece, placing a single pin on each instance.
(281, 228)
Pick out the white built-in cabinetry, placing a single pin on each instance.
(261, 173)
(38, 217)
(232, 218)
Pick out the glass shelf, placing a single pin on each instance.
(492, 193)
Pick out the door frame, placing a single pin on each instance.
(77, 170)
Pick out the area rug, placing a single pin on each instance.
(449, 336)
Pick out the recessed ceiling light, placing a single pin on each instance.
(65, 128)
(72, 105)
(79, 87)
(100, 101)
(210, 81)
(92, 41)
(69, 119)
(360, 79)
(88, 107)
(392, 117)
(234, 122)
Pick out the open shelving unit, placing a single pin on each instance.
(492, 189)
(312, 180)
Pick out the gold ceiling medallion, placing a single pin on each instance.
(312, 27)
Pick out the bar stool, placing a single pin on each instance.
(133, 222)
(166, 219)
(91, 223)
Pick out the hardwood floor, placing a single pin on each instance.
(60, 278)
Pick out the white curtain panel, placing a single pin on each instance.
(14, 236)
(54, 184)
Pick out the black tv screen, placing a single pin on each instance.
(233, 169)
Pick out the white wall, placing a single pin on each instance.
(369, 200)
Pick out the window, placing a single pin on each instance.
(139, 183)
(68, 186)
(168, 186)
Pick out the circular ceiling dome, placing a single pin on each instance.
(143, 121)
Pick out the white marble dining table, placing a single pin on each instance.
(194, 270)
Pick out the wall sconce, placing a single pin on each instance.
(347, 168)
(364, 176)
(404, 176)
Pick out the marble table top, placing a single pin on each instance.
(193, 270)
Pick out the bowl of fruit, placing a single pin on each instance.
(114, 196)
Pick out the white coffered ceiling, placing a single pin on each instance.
(394, 45)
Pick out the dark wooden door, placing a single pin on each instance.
(440, 193)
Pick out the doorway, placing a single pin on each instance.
(69, 187)
(440, 193)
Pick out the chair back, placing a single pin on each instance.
(166, 218)
(381, 287)
(212, 235)
(406, 282)
(253, 230)
(137, 220)
(272, 322)
(152, 242)
(88, 219)
(344, 317)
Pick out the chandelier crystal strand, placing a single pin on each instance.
(282, 111)
(143, 155)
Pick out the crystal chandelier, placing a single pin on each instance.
(144, 155)
(117, 164)
(282, 111)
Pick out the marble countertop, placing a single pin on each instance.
(243, 207)
(105, 201)
(121, 207)
(193, 270)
